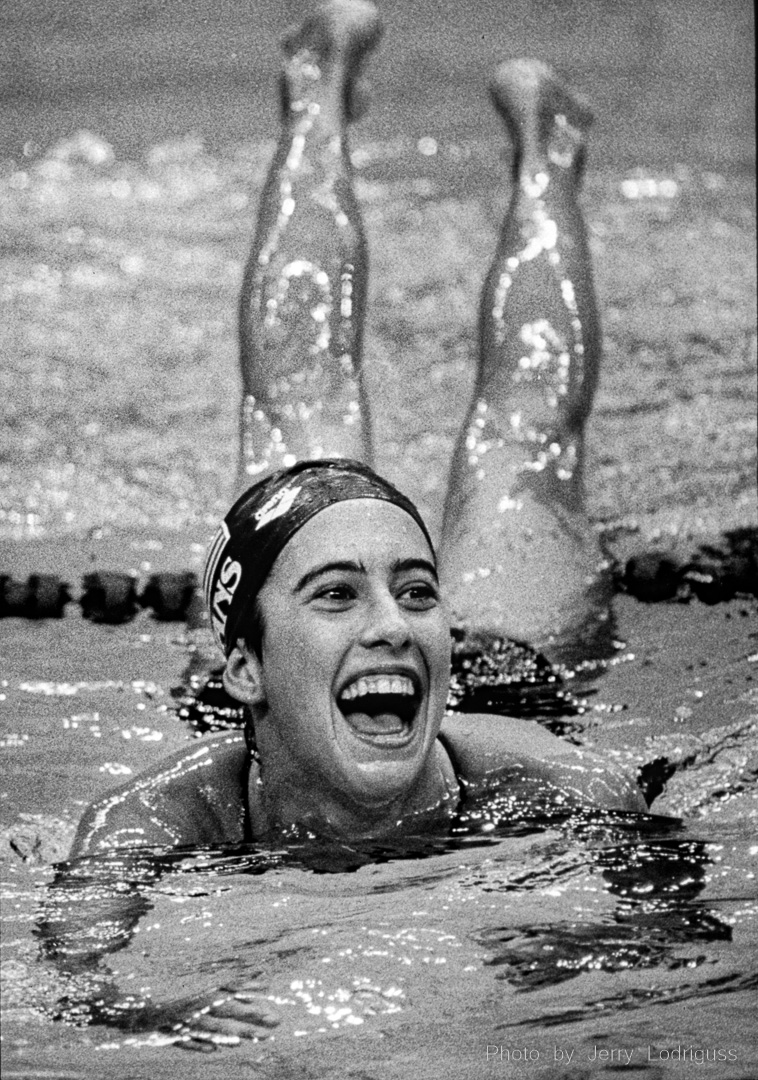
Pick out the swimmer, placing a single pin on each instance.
(323, 593)
(322, 583)
(518, 555)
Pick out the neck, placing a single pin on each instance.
(281, 803)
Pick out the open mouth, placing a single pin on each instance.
(381, 708)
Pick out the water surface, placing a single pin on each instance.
(633, 934)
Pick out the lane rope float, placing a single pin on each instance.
(106, 596)
(715, 575)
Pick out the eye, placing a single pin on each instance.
(334, 596)
(419, 595)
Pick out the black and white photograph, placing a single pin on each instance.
(378, 540)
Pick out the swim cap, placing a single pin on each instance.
(265, 519)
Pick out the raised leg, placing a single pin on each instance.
(304, 292)
(518, 554)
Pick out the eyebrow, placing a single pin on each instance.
(325, 568)
(399, 566)
(404, 565)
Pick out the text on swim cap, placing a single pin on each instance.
(229, 578)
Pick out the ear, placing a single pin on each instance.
(243, 677)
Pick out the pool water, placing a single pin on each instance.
(560, 950)
(504, 947)
(120, 281)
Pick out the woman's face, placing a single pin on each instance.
(355, 658)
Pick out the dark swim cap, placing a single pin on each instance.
(265, 519)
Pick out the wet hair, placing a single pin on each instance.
(253, 634)
(263, 521)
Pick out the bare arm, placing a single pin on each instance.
(497, 752)
(196, 796)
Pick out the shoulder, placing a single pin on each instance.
(481, 739)
(489, 750)
(195, 796)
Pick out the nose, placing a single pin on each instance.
(386, 623)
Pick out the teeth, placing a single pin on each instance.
(378, 684)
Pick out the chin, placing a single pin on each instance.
(376, 774)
